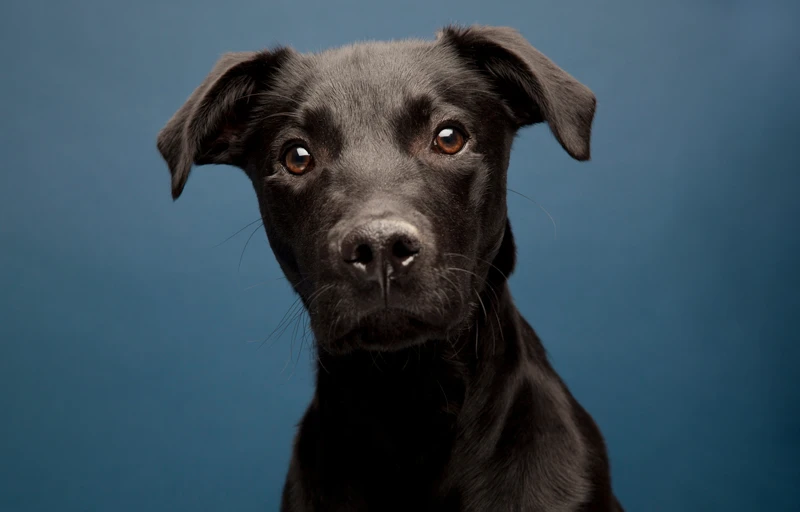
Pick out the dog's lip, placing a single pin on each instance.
(392, 313)
(387, 314)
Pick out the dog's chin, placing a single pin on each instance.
(383, 330)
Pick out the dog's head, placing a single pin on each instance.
(380, 169)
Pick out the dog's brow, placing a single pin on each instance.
(319, 124)
(413, 117)
(420, 108)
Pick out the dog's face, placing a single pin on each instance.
(380, 169)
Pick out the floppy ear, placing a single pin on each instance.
(533, 87)
(211, 127)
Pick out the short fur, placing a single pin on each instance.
(432, 392)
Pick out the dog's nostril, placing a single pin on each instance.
(381, 249)
(362, 254)
(404, 248)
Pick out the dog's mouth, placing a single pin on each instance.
(383, 329)
(427, 307)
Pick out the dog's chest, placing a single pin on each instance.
(387, 449)
(381, 466)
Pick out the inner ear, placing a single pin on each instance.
(507, 72)
(222, 117)
(228, 143)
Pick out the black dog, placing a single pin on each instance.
(380, 172)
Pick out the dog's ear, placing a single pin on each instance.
(211, 126)
(533, 87)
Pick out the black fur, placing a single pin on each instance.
(433, 393)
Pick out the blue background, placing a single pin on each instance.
(667, 295)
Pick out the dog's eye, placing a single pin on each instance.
(449, 140)
(298, 160)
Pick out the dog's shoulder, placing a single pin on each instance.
(534, 450)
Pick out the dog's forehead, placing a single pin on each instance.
(366, 79)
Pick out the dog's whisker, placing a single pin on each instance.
(321, 365)
(477, 331)
(297, 312)
(309, 275)
(259, 284)
(455, 287)
(500, 328)
(263, 283)
(298, 319)
(285, 316)
(291, 115)
(446, 401)
(335, 323)
(270, 94)
(552, 220)
(408, 360)
(317, 295)
(241, 257)
(294, 317)
(469, 258)
(488, 285)
(239, 231)
(285, 327)
(302, 342)
(477, 326)
(374, 362)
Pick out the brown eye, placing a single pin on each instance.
(298, 160)
(449, 141)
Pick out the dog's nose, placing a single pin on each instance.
(381, 249)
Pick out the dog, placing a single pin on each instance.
(380, 172)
